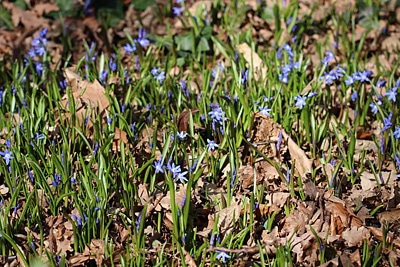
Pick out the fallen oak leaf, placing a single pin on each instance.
(45, 8)
(120, 136)
(302, 163)
(354, 236)
(183, 119)
(27, 18)
(254, 60)
(89, 97)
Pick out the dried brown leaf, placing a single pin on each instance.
(89, 97)
(27, 18)
(302, 163)
(254, 61)
(228, 216)
(44, 8)
(391, 43)
(120, 136)
(354, 236)
(183, 119)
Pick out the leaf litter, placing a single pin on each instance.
(319, 216)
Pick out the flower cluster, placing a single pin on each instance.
(300, 101)
(287, 68)
(329, 57)
(38, 49)
(361, 76)
(175, 170)
(218, 116)
(158, 74)
(333, 75)
(38, 45)
(141, 40)
(178, 10)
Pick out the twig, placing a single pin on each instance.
(249, 250)
(156, 202)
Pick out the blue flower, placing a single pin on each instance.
(381, 145)
(363, 76)
(78, 220)
(142, 38)
(288, 175)
(181, 135)
(86, 6)
(183, 201)
(283, 78)
(130, 48)
(155, 71)
(295, 65)
(175, 170)
(57, 180)
(391, 94)
(137, 223)
(397, 159)
(7, 156)
(137, 63)
(279, 142)
(245, 77)
(300, 101)
(312, 94)
(193, 167)
(31, 175)
(396, 133)
(8, 143)
(217, 114)
(113, 63)
(91, 55)
(387, 122)
(278, 53)
(211, 145)
(38, 44)
(103, 76)
(265, 111)
(181, 177)
(329, 78)
(39, 136)
(350, 80)
(185, 89)
(288, 50)
(354, 96)
(160, 77)
(39, 68)
(158, 166)
(380, 83)
(374, 106)
(178, 11)
(223, 256)
(329, 56)
(31, 53)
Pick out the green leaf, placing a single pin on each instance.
(185, 42)
(66, 7)
(141, 5)
(203, 45)
(5, 18)
(207, 32)
(112, 12)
